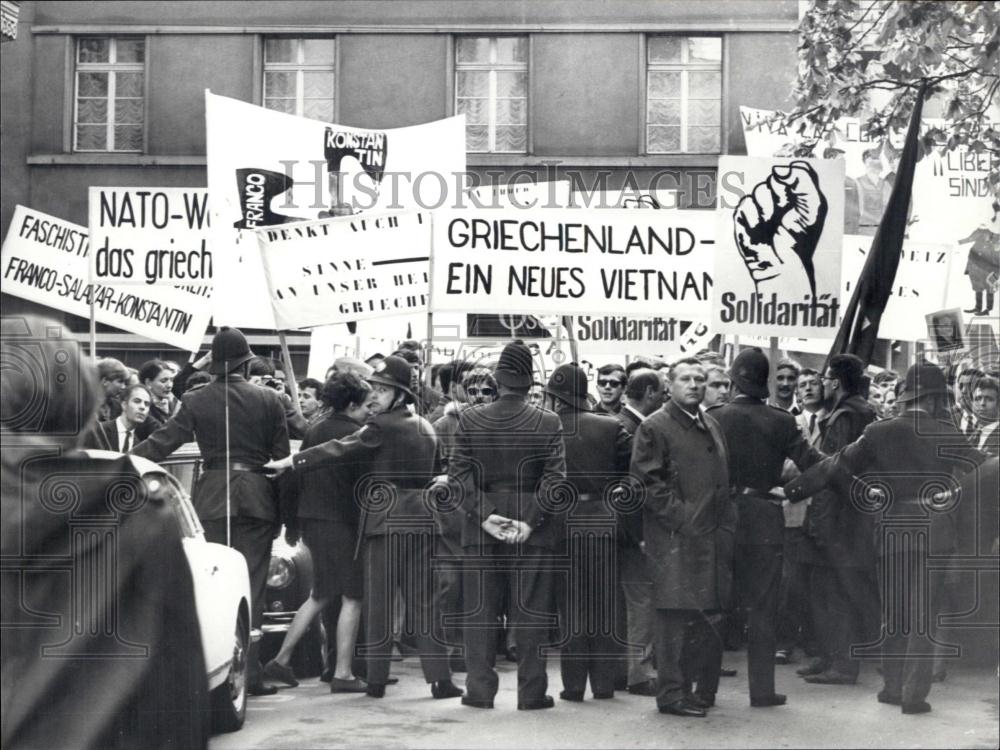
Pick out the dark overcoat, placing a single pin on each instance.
(257, 433)
(689, 519)
(507, 457)
(393, 461)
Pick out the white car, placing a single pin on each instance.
(221, 590)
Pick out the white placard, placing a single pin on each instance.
(780, 241)
(572, 261)
(45, 260)
(267, 168)
(150, 235)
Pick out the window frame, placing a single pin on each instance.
(300, 68)
(492, 67)
(684, 67)
(112, 68)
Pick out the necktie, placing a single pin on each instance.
(127, 442)
(968, 428)
(812, 424)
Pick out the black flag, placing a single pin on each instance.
(862, 316)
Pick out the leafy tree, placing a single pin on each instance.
(869, 59)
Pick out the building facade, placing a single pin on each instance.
(647, 91)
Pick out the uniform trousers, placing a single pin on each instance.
(758, 581)
(846, 612)
(688, 650)
(401, 562)
(907, 649)
(252, 538)
(587, 604)
(525, 575)
(448, 577)
(637, 589)
(795, 614)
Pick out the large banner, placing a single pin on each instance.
(780, 239)
(921, 282)
(267, 168)
(351, 268)
(567, 262)
(45, 260)
(951, 204)
(150, 235)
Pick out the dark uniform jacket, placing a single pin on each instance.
(598, 451)
(509, 460)
(688, 516)
(327, 493)
(257, 434)
(841, 532)
(629, 523)
(913, 455)
(760, 437)
(393, 459)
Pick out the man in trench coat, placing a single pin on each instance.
(689, 521)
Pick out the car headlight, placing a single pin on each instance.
(280, 572)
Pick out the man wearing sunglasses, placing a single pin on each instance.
(610, 387)
(480, 387)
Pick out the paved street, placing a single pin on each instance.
(965, 715)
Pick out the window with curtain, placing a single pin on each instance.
(491, 89)
(683, 94)
(109, 105)
(299, 76)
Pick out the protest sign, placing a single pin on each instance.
(627, 197)
(951, 202)
(349, 268)
(45, 260)
(150, 235)
(571, 261)
(944, 329)
(919, 287)
(521, 195)
(780, 240)
(621, 336)
(267, 168)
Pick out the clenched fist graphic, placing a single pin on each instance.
(778, 226)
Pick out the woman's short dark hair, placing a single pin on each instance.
(344, 389)
(151, 370)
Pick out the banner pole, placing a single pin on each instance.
(293, 384)
(93, 324)
(428, 370)
(774, 357)
(573, 348)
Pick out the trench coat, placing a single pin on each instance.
(689, 519)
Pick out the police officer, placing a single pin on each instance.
(393, 457)
(759, 437)
(598, 450)
(908, 459)
(506, 458)
(238, 427)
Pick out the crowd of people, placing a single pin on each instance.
(686, 508)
